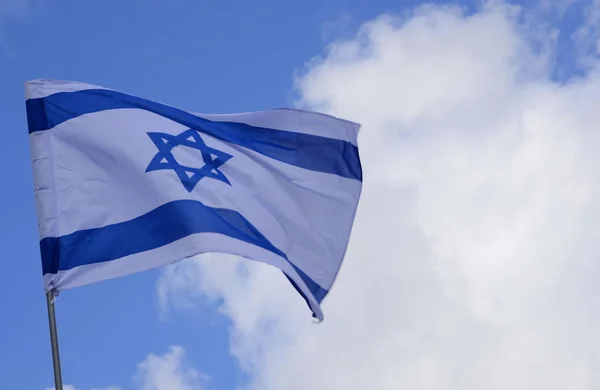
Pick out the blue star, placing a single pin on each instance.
(189, 176)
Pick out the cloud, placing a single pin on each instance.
(587, 36)
(65, 387)
(106, 388)
(473, 260)
(170, 371)
(17, 9)
(71, 387)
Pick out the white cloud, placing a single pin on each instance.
(65, 387)
(587, 35)
(472, 263)
(71, 387)
(559, 7)
(170, 371)
(107, 388)
(17, 9)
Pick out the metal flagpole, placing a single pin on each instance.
(54, 340)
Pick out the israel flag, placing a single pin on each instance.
(124, 184)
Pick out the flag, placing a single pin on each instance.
(125, 184)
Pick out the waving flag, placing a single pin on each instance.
(125, 184)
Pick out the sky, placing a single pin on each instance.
(472, 263)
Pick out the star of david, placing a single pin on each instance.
(189, 176)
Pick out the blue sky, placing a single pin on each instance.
(205, 56)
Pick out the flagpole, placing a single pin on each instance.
(54, 340)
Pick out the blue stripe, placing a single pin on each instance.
(161, 226)
(307, 151)
(317, 291)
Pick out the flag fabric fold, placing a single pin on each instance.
(125, 184)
